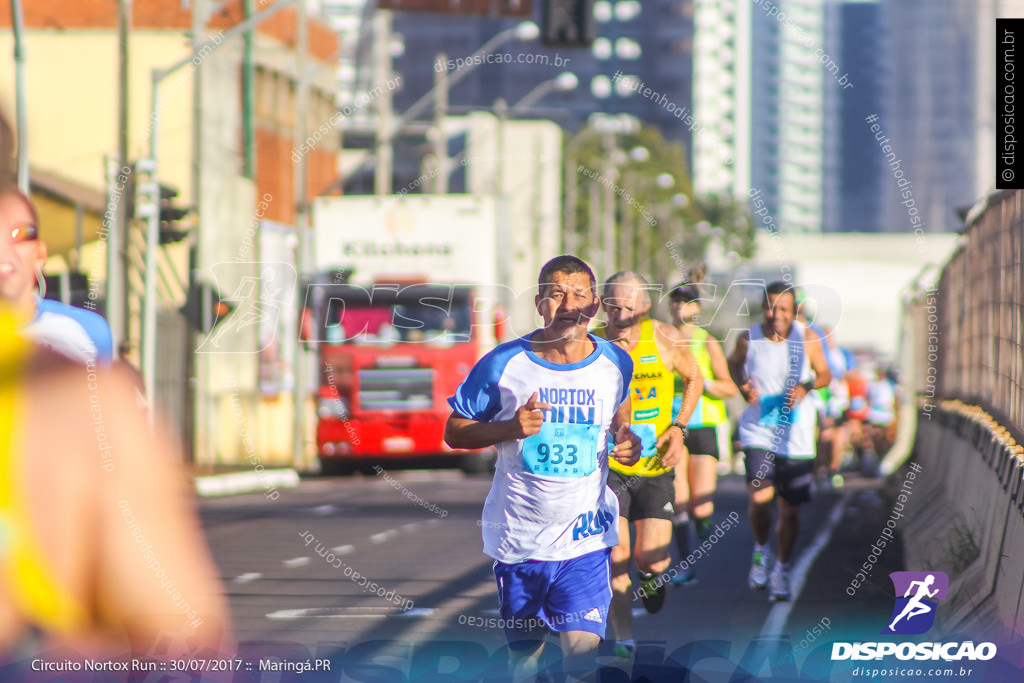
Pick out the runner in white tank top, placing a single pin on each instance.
(772, 365)
(775, 368)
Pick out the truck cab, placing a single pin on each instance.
(390, 354)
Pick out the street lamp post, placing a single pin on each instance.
(386, 133)
(563, 82)
(152, 166)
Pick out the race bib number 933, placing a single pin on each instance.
(562, 450)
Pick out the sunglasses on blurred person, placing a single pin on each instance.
(23, 232)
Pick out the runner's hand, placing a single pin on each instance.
(529, 418)
(795, 395)
(627, 446)
(749, 391)
(672, 447)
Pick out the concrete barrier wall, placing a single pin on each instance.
(970, 521)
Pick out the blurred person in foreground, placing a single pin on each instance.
(101, 550)
(696, 475)
(81, 335)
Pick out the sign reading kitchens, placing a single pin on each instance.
(440, 238)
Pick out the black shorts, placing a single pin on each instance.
(644, 497)
(791, 477)
(702, 441)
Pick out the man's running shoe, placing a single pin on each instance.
(758, 577)
(625, 650)
(780, 585)
(685, 578)
(837, 481)
(652, 592)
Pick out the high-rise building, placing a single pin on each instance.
(762, 102)
(857, 169)
(940, 116)
(788, 132)
(721, 97)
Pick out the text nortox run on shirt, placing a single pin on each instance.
(574, 406)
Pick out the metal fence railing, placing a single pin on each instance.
(980, 313)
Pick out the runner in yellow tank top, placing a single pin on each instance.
(645, 491)
(651, 390)
(73, 575)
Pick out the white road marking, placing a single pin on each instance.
(246, 578)
(323, 509)
(384, 536)
(778, 615)
(349, 613)
(342, 549)
(297, 562)
(410, 527)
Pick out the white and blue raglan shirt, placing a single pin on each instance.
(78, 334)
(549, 500)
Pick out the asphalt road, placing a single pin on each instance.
(391, 587)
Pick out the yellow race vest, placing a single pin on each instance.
(24, 569)
(651, 390)
(710, 412)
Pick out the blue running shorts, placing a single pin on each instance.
(567, 595)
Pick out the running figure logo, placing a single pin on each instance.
(917, 596)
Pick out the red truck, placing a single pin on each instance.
(390, 354)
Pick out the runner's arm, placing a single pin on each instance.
(628, 446)
(819, 364)
(737, 361)
(463, 432)
(721, 385)
(816, 356)
(685, 365)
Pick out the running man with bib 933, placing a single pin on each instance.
(556, 404)
(772, 366)
(645, 490)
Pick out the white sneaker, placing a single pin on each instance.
(758, 577)
(780, 585)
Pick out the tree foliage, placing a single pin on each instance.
(661, 230)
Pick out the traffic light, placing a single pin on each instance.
(204, 308)
(171, 216)
(568, 23)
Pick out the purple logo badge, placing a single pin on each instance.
(917, 596)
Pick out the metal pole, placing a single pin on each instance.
(594, 238)
(248, 98)
(152, 245)
(301, 191)
(534, 96)
(501, 110)
(608, 247)
(386, 134)
(385, 148)
(18, 25)
(440, 112)
(118, 304)
(626, 231)
(570, 238)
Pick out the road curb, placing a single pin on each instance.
(246, 482)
